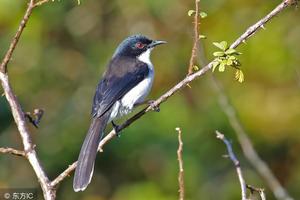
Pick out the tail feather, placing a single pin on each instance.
(88, 152)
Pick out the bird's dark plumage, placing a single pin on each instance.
(122, 75)
(127, 81)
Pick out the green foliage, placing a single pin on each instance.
(227, 57)
(63, 52)
(201, 14)
(191, 12)
(202, 36)
(196, 68)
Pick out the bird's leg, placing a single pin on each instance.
(149, 103)
(154, 107)
(116, 128)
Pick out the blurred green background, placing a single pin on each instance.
(64, 51)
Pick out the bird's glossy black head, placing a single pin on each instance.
(135, 45)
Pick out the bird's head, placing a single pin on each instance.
(136, 45)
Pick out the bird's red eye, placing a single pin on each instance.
(139, 45)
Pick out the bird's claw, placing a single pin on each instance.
(153, 106)
(116, 128)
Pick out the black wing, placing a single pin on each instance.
(122, 75)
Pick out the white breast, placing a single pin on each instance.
(136, 94)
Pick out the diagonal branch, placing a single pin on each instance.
(14, 42)
(247, 34)
(18, 114)
(236, 163)
(247, 147)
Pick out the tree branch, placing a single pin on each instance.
(284, 4)
(18, 114)
(236, 163)
(260, 166)
(14, 42)
(48, 187)
(180, 163)
(12, 151)
(196, 38)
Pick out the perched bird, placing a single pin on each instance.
(126, 82)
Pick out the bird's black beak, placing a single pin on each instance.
(155, 43)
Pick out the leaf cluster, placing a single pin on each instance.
(227, 57)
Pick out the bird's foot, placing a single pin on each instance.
(116, 128)
(153, 106)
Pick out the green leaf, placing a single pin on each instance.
(224, 45)
(218, 53)
(221, 45)
(196, 68)
(203, 14)
(222, 67)
(230, 51)
(232, 58)
(239, 75)
(214, 65)
(202, 37)
(229, 62)
(191, 12)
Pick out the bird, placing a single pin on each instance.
(125, 84)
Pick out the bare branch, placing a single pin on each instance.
(14, 42)
(19, 117)
(260, 24)
(18, 113)
(12, 151)
(185, 81)
(247, 147)
(180, 163)
(196, 38)
(41, 2)
(63, 175)
(236, 163)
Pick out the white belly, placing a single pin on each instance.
(135, 95)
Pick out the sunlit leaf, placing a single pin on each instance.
(222, 67)
(191, 12)
(229, 62)
(202, 37)
(221, 45)
(195, 67)
(239, 75)
(230, 51)
(218, 53)
(214, 65)
(203, 14)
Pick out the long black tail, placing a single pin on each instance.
(88, 152)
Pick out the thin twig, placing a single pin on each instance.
(63, 175)
(247, 147)
(180, 163)
(196, 38)
(186, 80)
(14, 42)
(12, 151)
(236, 163)
(41, 2)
